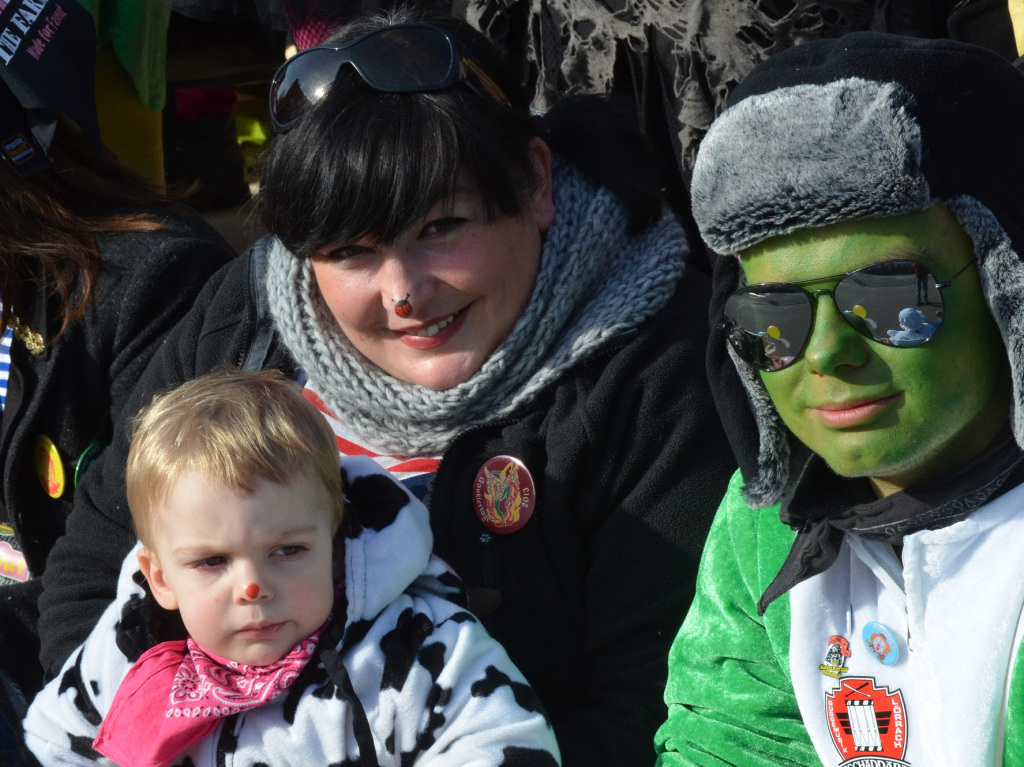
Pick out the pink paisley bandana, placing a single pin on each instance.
(147, 728)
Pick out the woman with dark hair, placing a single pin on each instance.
(495, 308)
(94, 268)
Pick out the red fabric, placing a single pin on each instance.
(424, 465)
(193, 103)
(311, 33)
(176, 694)
(401, 467)
(308, 23)
(313, 397)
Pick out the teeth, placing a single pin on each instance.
(433, 330)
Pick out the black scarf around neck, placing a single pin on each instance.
(824, 507)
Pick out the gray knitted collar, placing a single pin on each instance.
(595, 283)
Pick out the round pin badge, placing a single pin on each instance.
(49, 467)
(90, 454)
(881, 641)
(504, 495)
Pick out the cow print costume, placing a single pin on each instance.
(405, 674)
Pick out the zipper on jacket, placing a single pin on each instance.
(484, 538)
(227, 741)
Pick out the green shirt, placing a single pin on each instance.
(137, 29)
(729, 694)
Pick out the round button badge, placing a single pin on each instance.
(504, 495)
(49, 467)
(881, 642)
(90, 454)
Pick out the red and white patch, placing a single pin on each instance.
(868, 724)
(401, 468)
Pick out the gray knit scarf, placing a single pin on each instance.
(595, 282)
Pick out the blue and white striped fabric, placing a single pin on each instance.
(5, 365)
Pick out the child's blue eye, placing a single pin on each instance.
(289, 551)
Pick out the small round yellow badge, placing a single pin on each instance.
(49, 467)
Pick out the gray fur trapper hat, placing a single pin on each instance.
(862, 126)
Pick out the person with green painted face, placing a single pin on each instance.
(861, 595)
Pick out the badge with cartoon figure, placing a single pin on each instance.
(504, 495)
(49, 466)
(835, 657)
(868, 723)
(882, 642)
(12, 562)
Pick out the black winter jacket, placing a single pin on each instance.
(72, 392)
(629, 464)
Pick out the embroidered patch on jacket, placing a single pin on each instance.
(835, 657)
(868, 724)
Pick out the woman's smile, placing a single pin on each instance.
(464, 278)
(434, 332)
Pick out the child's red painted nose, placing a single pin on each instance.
(252, 591)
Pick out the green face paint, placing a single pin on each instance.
(895, 415)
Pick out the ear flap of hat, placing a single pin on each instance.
(1002, 281)
(756, 433)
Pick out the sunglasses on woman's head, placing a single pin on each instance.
(896, 303)
(405, 58)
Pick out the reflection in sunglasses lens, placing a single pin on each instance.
(895, 303)
(769, 327)
(406, 60)
(401, 59)
(304, 84)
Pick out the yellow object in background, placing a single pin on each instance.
(1017, 19)
(132, 131)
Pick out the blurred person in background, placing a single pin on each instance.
(96, 267)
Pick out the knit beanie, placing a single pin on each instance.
(863, 126)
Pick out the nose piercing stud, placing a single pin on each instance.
(403, 308)
(252, 591)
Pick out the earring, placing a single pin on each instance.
(402, 308)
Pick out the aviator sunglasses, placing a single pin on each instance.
(405, 58)
(895, 303)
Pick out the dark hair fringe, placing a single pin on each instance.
(372, 164)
